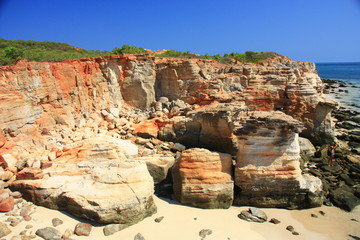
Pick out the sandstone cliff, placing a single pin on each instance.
(253, 111)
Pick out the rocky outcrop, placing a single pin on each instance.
(96, 180)
(268, 168)
(62, 123)
(203, 179)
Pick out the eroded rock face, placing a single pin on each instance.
(203, 179)
(267, 167)
(95, 180)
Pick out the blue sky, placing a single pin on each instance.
(306, 30)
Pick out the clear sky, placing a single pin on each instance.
(305, 30)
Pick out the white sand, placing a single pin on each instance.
(179, 224)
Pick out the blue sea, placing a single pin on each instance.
(349, 96)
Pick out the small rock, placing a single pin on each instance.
(14, 223)
(354, 237)
(15, 238)
(253, 215)
(149, 145)
(56, 222)
(314, 215)
(7, 204)
(26, 210)
(159, 219)
(27, 218)
(68, 232)
(113, 228)
(322, 213)
(139, 237)
(16, 194)
(83, 229)
(292, 230)
(4, 229)
(274, 221)
(203, 233)
(48, 233)
(178, 147)
(28, 226)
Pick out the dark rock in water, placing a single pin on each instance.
(48, 233)
(83, 229)
(203, 233)
(274, 221)
(343, 198)
(253, 215)
(139, 237)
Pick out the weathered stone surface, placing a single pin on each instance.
(95, 181)
(113, 228)
(4, 229)
(253, 215)
(158, 166)
(83, 229)
(56, 222)
(203, 179)
(306, 147)
(48, 233)
(344, 198)
(7, 204)
(267, 167)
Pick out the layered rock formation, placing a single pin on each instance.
(204, 179)
(267, 166)
(268, 169)
(97, 180)
(53, 113)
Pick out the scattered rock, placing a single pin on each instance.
(178, 147)
(113, 228)
(68, 232)
(56, 222)
(322, 213)
(274, 221)
(7, 204)
(159, 219)
(83, 229)
(343, 197)
(48, 233)
(314, 215)
(4, 230)
(354, 237)
(253, 215)
(203, 233)
(139, 237)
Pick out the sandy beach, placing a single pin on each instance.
(184, 223)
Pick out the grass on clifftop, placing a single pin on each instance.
(13, 50)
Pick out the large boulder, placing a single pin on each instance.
(268, 168)
(96, 180)
(202, 178)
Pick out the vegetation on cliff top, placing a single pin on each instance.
(13, 50)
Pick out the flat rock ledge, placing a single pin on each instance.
(97, 187)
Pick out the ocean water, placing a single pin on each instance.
(349, 96)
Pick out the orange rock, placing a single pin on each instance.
(29, 174)
(147, 129)
(7, 204)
